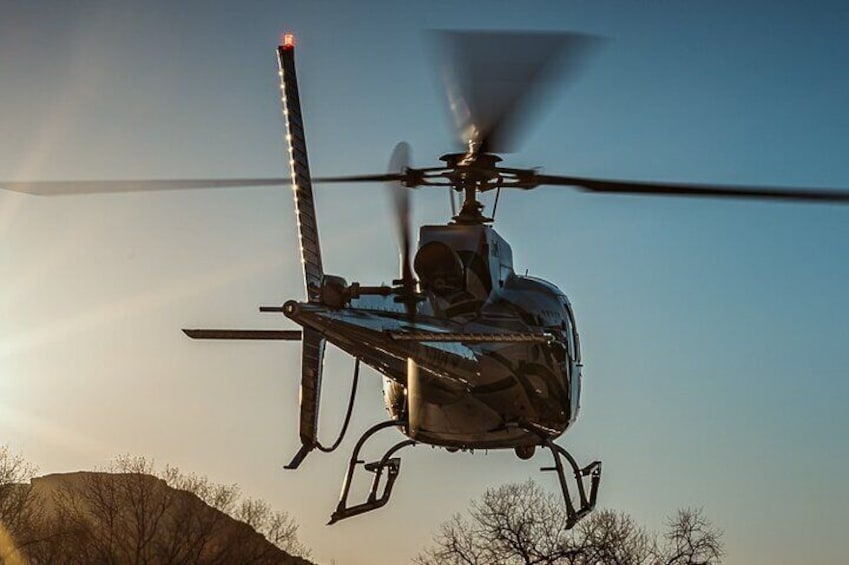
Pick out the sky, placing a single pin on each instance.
(714, 333)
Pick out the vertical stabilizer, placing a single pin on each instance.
(300, 167)
(312, 359)
(312, 353)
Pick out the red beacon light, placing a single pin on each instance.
(288, 41)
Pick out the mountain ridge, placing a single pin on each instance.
(138, 518)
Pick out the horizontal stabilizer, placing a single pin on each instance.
(289, 335)
(502, 337)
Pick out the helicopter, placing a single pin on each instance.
(473, 355)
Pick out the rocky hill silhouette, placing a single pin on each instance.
(134, 518)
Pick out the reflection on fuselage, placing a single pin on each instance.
(473, 394)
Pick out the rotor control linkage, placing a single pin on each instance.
(336, 293)
(356, 290)
(391, 464)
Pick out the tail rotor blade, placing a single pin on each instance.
(400, 194)
(400, 161)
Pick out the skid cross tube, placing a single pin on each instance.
(392, 464)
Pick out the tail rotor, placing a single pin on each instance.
(399, 192)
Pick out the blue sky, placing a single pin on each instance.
(714, 332)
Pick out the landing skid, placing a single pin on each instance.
(392, 465)
(593, 471)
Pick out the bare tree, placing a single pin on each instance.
(692, 540)
(521, 524)
(19, 511)
(610, 537)
(129, 515)
(512, 524)
(278, 527)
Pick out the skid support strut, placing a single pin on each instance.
(391, 464)
(593, 471)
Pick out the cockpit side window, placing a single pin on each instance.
(478, 279)
(572, 333)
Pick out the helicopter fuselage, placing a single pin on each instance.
(488, 357)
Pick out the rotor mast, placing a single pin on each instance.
(471, 173)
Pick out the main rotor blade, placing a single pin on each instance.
(495, 79)
(69, 187)
(388, 177)
(65, 187)
(695, 190)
